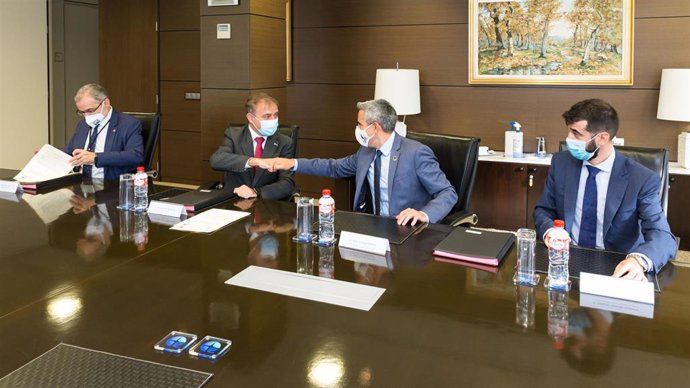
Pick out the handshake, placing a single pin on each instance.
(272, 164)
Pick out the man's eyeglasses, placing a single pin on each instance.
(89, 111)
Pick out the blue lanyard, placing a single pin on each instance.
(92, 139)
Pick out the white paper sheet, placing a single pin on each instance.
(51, 205)
(48, 163)
(616, 305)
(633, 290)
(209, 221)
(337, 292)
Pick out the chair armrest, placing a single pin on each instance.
(464, 218)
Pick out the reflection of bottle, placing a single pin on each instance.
(524, 307)
(558, 317)
(305, 259)
(141, 231)
(326, 267)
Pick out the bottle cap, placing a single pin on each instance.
(140, 169)
(558, 224)
(326, 192)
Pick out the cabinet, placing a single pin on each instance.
(505, 194)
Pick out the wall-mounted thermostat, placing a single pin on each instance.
(223, 31)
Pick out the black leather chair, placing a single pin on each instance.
(458, 158)
(150, 133)
(655, 159)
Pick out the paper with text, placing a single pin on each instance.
(364, 242)
(209, 221)
(337, 292)
(626, 289)
(48, 163)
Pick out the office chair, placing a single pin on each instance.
(150, 134)
(458, 159)
(655, 159)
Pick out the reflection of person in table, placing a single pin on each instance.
(588, 346)
(263, 228)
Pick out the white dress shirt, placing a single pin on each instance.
(101, 135)
(263, 145)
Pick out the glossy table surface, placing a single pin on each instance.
(79, 277)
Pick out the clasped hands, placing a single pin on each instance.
(81, 157)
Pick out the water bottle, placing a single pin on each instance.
(141, 190)
(559, 253)
(326, 218)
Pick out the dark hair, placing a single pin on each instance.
(600, 116)
(254, 99)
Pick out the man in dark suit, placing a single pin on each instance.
(607, 200)
(403, 175)
(106, 143)
(241, 154)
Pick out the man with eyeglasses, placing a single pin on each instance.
(245, 149)
(106, 143)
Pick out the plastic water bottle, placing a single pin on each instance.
(141, 190)
(326, 218)
(559, 254)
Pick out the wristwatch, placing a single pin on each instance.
(95, 161)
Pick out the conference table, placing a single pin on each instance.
(76, 270)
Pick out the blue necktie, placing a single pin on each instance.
(588, 222)
(86, 169)
(377, 182)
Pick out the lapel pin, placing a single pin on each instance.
(395, 158)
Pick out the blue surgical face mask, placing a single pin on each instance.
(268, 246)
(578, 148)
(268, 127)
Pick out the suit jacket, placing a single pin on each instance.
(237, 148)
(415, 179)
(124, 148)
(633, 218)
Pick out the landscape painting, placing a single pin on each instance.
(551, 42)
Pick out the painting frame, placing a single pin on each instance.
(490, 62)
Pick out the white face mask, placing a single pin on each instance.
(362, 137)
(95, 119)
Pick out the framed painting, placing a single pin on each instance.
(557, 42)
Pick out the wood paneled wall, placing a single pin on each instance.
(179, 74)
(337, 47)
(252, 60)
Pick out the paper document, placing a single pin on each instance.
(626, 289)
(616, 305)
(337, 292)
(48, 163)
(209, 221)
(51, 205)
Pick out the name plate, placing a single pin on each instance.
(633, 290)
(363, 242)
(9, 186)
(168, 209)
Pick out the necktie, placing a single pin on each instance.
(258, 151)
(87, 168)
(588, 222)
(377, 182)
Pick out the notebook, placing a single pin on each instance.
(372, 225)
(200, 199)
(477, 246)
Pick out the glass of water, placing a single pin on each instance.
(305, 219)
(525, 272)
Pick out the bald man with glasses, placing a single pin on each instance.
(106, 143)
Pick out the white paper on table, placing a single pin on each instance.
(626, 289)
(51, 205)
(616, 305)
(364, 242)
(337, 292)
(209, 221)
(48, 163)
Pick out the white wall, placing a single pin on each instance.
(23, 80)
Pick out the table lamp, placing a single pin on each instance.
(400, 87)
(674, 104)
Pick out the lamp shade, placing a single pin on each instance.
(400, 87)
(674, 95)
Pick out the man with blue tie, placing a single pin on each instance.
(608, 201)
(402, 176)
(106, 143)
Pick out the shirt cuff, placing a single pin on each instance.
(427, 216)
(246, 164)
(295, 167)
(645, 262)
(545, 233)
